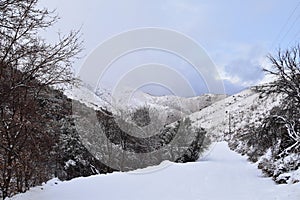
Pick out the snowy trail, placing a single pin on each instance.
(223, 174)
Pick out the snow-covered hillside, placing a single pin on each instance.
(223, 174)
(185, 105)
(210, 111)
(233, 112)
(104, 98)
(167, 106)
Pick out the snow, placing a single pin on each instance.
(243, 108)
(171, 104)
(70, 163)
(223, 174)
(87, 97)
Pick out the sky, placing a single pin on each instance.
(236, 36)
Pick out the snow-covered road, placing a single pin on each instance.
(223, 174)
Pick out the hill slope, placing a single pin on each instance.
(241, 108)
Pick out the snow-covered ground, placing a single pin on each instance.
(222, 174)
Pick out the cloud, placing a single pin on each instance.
(243, 71)
(236, 36)
(232, 88)
(241, 65)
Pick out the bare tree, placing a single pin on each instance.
(286, 69)
(23, 49)
(28, 66)
(280, 130)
